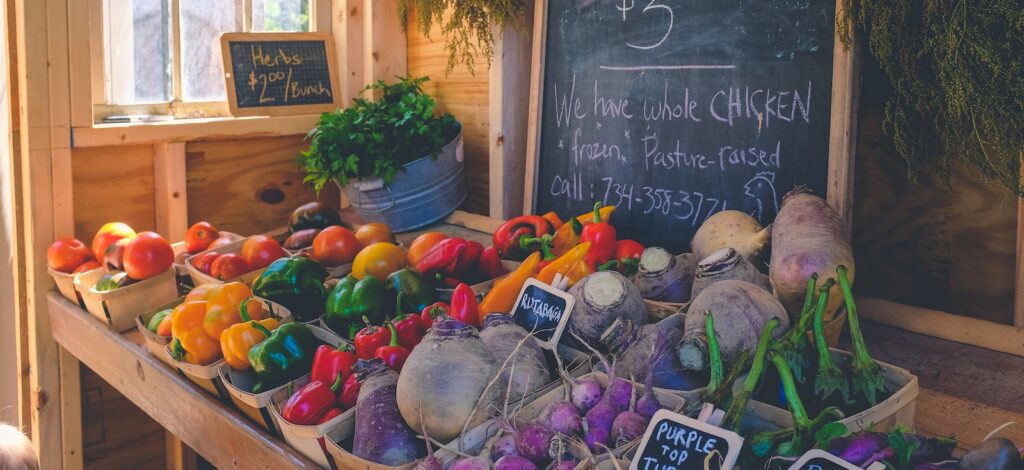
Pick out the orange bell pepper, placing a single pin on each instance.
(566, 265)
(238, 339)
(191, 343)
(223, 307)
(568, 235)
(201, 292)
(555, 220)
(502, 296)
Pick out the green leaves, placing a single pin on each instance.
(374, 138)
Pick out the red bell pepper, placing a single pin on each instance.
(329, 363)
(514, 237)
(350, 392)
(489, 266)
(393, 354)
(432, 311)
(625, 258)
(601, 236)
(329, 415)
(310, 402)
(370, 338)
(468, 259)
(442, 257)
(464, 307)
(409, 330)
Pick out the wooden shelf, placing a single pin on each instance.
(222, 436)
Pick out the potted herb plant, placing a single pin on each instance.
(397, 160)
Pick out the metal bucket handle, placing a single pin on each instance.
(365, 186)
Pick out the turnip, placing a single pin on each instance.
(619, 391)
(514, 462)
(993, 454)
(568, 464)
(562, 417)
(381, 436)
(597, 425)
(583, 393)
(648, 403)
(726, 264)
(527, 371)
(507, 444)
(600, 299)
(741, 310)
(628, 425)
(731, 229)
(534, 442)
(664, 277)
(632, 346)
(448, 381)
(807, 237)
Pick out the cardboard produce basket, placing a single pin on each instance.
(66, 284)
(239, 385)
(338, 441)
(155, 343)
(199, 278)
(118, 308)
(309, 440)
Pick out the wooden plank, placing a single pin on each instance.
(179, 455)
(384, 43)
(540, 32)
(115, 432)
(944, 415)
(966, 330)
(79, 56)
(476, 222)
(170, 190)
(191, 130)
(1018, 292)
(114, 184)
(509, 83)
(219, 434)
(348, 39)
(842, 147)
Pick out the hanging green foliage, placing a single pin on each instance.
(467, 30)
(957, 72)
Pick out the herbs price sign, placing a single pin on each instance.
(675, 442)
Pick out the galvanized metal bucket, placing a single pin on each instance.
(425, 192)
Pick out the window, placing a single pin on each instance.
(162, 57)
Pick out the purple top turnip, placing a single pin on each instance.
(664, 277)
(528, 371)
(601, 298)
(632, 344)
(381, 436)
(723, 265)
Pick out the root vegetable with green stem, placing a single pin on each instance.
(829, 378)
(794, 344)
(868, 378)
(739, 403)
(719, 388)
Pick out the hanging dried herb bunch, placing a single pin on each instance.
(957, 72)
(467, 29)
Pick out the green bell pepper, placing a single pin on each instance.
(350, 301)
(286, 354)
(416, 291)
(297, 284)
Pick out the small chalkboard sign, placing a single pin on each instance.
(544, 310)
(272, 74)
(817, 459)
(675, 441)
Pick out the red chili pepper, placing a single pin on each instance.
(625, 258)
(393, 354)
(513, 238)
(329, 363)
(350, 392)
(601, 236)
(468, 259)
(310, 402)
(432, 311)
(370, 338)
(464, 306)
(442, 257)
(489, 266)
(409, 330)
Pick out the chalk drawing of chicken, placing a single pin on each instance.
(761, 188)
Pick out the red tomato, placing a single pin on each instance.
(335, 246)
(205, 261)
(147, 255)
(199, 236)
(87, 266)
(107, 235)
(219, 242)
(66, 254)
(260, 251)
(229, 266)
(374, 232)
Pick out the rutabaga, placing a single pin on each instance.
(528, 370)
(601, 298)
(723, 265)
(664, 277)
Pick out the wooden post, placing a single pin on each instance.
(384, 43)
(170, 188)
(842, 148)
(348, 42)
(1018, 292)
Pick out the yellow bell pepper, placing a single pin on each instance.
(502, 296)
(238, 339)
(566, 265)
(223, 308)
(191, 343)
(568, 235)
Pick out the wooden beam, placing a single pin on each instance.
(384, 43)
(348, 42)
(179, 455)
(224, 437)
(509, 117)
(170, 190)
(1018, 292)
(108, 135)
(942, 415)
(842, 147)
(79, 57)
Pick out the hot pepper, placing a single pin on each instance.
(514, 238)
(285, 355)
(297, 284)
(556, 221)
(443, 257)
(502, 296)
(417, 292)
(568, 235)
(223, 308)
(489, 266)
(330, 363)
(310, 402)
(432, 311)
(546, 255)
(350, 301)
(409, 330)
(370, 338)
(464, 306)
(601, 236)
(468, 259)
(238, 339)
(191, 343)
(350, 392)
(394, 355)
(564, 265)
(625, 258)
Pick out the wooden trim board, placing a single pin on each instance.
(191, 130)
(222, 436)
(170, 188)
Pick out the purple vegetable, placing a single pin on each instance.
(528, 371)
(862, 447)
(583, 393)
(628, 425)
(534, 442)
(381, 435)
(601, 298)
(568, 464)
(632, 345)
(598, 424)
(648, 404)
(597, 438)
(620, 393)
(505, 445)
(993, 454)
(930, 449)
(561, 417)
(472, 463)
(664, 277)
(514, 462)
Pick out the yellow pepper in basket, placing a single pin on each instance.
(568, 265)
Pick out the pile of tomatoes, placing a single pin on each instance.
(117, 248)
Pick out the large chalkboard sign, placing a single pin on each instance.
(673, 110)
(279, 73)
